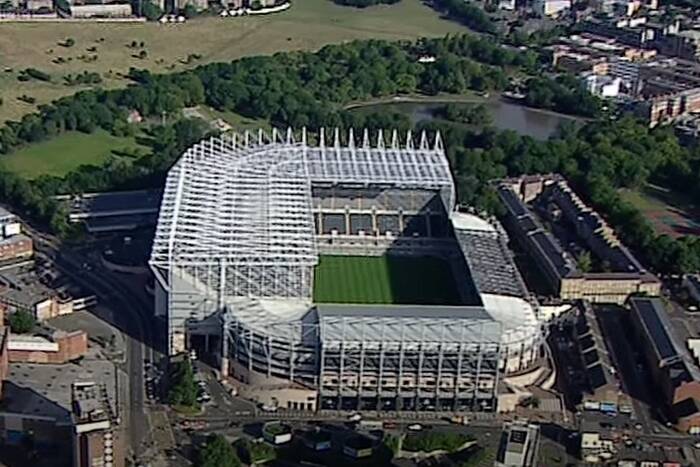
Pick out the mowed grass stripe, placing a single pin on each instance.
(384, 280)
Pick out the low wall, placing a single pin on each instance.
(123, 268)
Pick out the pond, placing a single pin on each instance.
(540, 124)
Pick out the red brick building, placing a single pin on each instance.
(16, 247)
(60, 347)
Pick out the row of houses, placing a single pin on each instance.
(619, 273)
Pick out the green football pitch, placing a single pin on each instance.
(421, 280)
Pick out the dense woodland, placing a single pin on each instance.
(310, 89)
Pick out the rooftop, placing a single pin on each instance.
(657, 326)
(44, 390)
(90, 402)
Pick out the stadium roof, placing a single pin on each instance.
(241, 199)
(485, 249)
(407, 324)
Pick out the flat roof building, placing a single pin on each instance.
(519, 445)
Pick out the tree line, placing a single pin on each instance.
(466, 13)
(599, 158)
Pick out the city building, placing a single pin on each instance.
(675, 374)
(691, 283)
(617, 275)
(82, 9)
(14, 245)
(37, 402)
(551, 7)
(114, 211)
(603, 383)
(57, 347)
(669, 89)
(198, 4)
(243, 224)
(602, 85)
(4, 354)
(627, 71)
(97, 440)
(519, 445)
(44, 295)
(595, 442)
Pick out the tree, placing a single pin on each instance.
(151, 11)
(530, 402)
(190, 11)
(255, 452)
(184, 388)
(584, 261)
(21, 322)
(217, 452)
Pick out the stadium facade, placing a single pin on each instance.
(243, 221)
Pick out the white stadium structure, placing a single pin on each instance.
(243, 221)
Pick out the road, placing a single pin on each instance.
(132, 318)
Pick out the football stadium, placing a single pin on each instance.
(335, 272)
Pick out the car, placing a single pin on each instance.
(638, 426)
(697, 445)
(415, 427)
(268, 408)
(356, 417)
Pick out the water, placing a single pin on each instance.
(506, 115)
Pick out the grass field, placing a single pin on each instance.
(669, 212)
(68, 151)
(308, 25)
(384, 279)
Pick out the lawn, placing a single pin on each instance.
(68, 151)
(385, 280)
(308, 25)
(669, 212)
